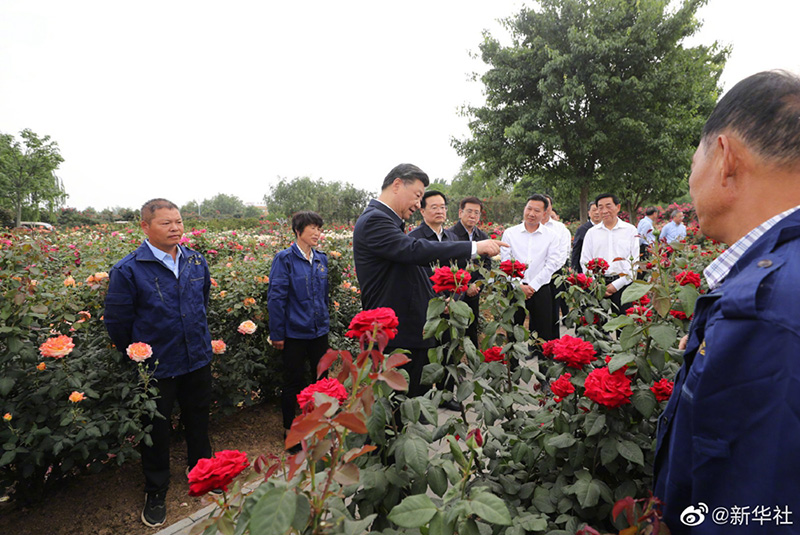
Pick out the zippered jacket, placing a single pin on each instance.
(146, 303)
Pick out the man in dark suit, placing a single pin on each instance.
(580, 234)
(469, 215)
(386, 261)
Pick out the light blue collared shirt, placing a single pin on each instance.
(166, 258)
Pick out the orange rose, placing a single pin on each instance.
(7, 417)
(223, 293)
(76, 397)
(247, 327)
(84, 315)
(139, 351)
(218, 347)
(41, 366)
(57, 347)
(249, 301)
(69, 281)
(214, 283)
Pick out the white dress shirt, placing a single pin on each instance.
(618, 246)
(166, 258)
(564, 238)
(539, 249)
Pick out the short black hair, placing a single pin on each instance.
(408, 173)
(470, 200)
(301, 220)
(539, 197)
(764, 109)
(431, 193)
(605, 196)
(149, 208)
(650, 211)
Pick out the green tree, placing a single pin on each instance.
(595, 94)
(334, 201)
(222, 205)
(27, 173)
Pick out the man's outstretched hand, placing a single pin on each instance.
(490, 247)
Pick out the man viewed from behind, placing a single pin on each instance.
(616, 242)
(646, 231)
(730, 433)
(158, 295)
(466, 229)
(386, 261)
(537, 246)
(551, 221)
(675, 230)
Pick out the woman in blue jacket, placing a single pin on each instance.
(298, 308)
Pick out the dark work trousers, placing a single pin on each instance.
(419, 358)
(296, 353)
(472, 331)
(540, 310)
(193, 392)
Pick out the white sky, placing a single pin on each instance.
(187, 99)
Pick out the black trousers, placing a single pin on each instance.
(539, 307)
(296, 353)
(193, 393)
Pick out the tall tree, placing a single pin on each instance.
(334, 201)
(593, 94)
(27, 172)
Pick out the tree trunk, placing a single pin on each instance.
(584, 200)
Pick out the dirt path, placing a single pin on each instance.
(110, 503)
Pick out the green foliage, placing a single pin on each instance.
(27, 174)
(597, 94)
(334, 201)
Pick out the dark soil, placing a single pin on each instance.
(110, 503)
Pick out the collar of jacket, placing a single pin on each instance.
(297, 252)
(144, 254)
(376, 204)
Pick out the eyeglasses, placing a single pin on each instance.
(437, 207)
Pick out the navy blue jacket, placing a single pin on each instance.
(146, 303)
(730, 434)
(577, 246)
(298, 295)
(425, 232)
(386, 260)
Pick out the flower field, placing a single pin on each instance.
(54, 345)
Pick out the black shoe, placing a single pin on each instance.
(154, 513)
(451, 405)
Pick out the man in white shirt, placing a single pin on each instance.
(537, 246)
(646, 231)
(564, 242)
(616, 242)
(675, 230)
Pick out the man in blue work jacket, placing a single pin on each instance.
(158, 295)
(728, 441)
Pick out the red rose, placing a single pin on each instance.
(217, 472)
(562, 387)
(608, 389)
(688, 277)
(662, 389)
(679, 314)
(644, 301)
(573, 352)
(644, 314)
(330, 386)
(547, 348)
(364, 322)
(597, 266)
(446, 280)
(512, 268)
(493, 355)
(580, 280)
(477, 434)
(594, 321)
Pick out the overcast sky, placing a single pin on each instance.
(187, 99)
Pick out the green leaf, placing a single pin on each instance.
(608, 451)
(455, 450)
(274, 512)
(490, 508)
(437, 480)
(644, 401)
(619, 360)
(439, 526)
(413, 512)
(598, 424)
(542, 501)
(631, 451)
(416, 454)
(587, 491)
(432, 373)
(302, 513)
(635, 291)
(464, 390)
(664, 335)
(356, 527)
(564, 440)
(436, 308)
(8, 457)
(6, 384)
(617, 323)
(688, 296)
